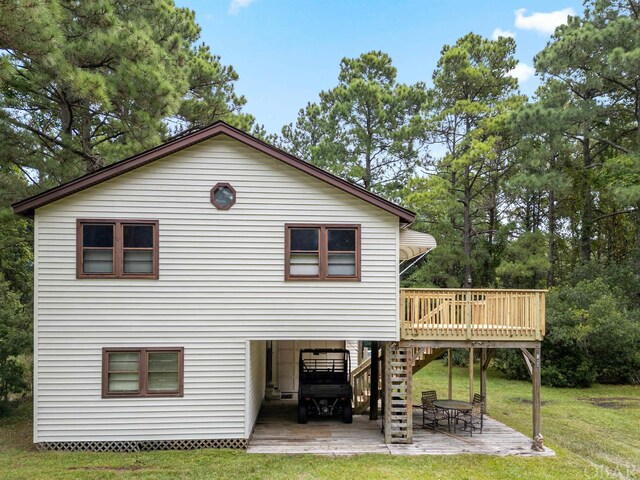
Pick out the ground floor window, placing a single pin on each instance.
(141, 372)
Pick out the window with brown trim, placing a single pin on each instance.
(322, 252)
(143, 372)
(117, 249)
(223, 196)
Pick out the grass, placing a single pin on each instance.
(595, 432)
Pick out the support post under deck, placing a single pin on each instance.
(533, 365)
(484, 364)
(450, 373)
(535, 377)
(375, 375)
(471, 375)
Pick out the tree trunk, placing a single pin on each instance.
(551, 276)
(66, 113)
(637, 243)
(467, 229)
(91, 161)
(586, 231)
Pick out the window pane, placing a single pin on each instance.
(163, 372)
(97, 261)
(163, 382)
(163, 361)
(124, 361)
(342, 240)
(342, 264)
(304, 264)
(223, 196)
(97, 235)
(304, 239)
(137, 236)
(138, 261)
(124, 382)
(123, 372)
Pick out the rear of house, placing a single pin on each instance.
(169, 286)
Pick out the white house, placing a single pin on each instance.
(160, 279)
(165, 281)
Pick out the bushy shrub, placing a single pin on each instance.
(15, 339)
(593, 334)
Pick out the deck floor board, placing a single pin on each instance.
(277, 431)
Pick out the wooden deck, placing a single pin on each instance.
(472, 314)
(278, 432)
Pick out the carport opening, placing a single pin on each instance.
(282, 365)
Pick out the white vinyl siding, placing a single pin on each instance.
(352, 346)
(256, 382)
(221, 282)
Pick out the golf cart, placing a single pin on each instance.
(324, 384)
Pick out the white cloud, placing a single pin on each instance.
(237, 5)
(542, 22)
(522, 72)
(498, 32)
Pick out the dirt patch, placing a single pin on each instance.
(16, 434)
(527, 401)
(109, 469)
(615, 402)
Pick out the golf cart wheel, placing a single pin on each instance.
(347, 413)
(302, 413)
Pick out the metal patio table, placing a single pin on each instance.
(452, 408)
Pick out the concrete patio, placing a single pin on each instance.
(277, 431)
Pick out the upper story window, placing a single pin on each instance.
(142, 372)
(117, 249)
(322, 252)
(223, 196)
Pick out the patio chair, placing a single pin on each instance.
(474, 418)
(431, 416)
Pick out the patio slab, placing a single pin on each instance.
(278, 432)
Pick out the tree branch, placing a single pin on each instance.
(47, 137)
(608, 215)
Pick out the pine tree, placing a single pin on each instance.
(368, 129)
(471, 101)
(85, 83)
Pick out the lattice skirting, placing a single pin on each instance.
(143, 445)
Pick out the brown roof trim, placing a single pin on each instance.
(27, 207)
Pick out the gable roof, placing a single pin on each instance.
(27, 206)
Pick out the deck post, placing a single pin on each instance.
(386, 414)
(538, 440)
(468, 313)
(383, 378)
(375, 375)
(409, 393)
(450, 373)
(483, 378)
(471, 374)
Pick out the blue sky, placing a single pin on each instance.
(287, 51)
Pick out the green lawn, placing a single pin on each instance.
(595, 433)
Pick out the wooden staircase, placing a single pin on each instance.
(424, 356)
(361, 375)
(361, 386)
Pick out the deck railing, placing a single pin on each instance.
(472, 314)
